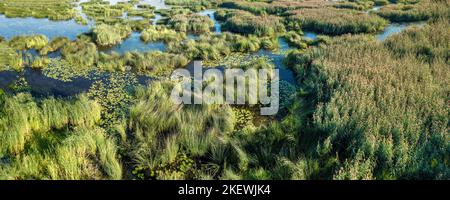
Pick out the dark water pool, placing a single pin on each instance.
(39, 85)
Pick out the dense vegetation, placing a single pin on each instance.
(52, 9)
(386, 115)
(414, 11)
(247, 23)
(106, 35)
(193, 23)
(336, 21)
(359, 107)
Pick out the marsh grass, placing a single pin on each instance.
(75, 155)
(336, 21)
(423, 10)
(215, 47)
(195, 5)
(272, 7)
(158, 33)
(162, 130)
(401, 83)
(52, 9)
(107, 35)
(155, 63)
(9, 58)
(357, 5)
(28, 42)
(295, 39)
(21, 117)
(246, 23)
(103, 12)
(80, 53)
(193, 23)
(54, 45)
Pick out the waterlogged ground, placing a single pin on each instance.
(41, 85)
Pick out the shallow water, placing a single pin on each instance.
(41, 86)
(156, 19)
(375, 8)
(10, 27)
(277, 58)
(134, 43)
(310, 35)
(396, 28)
(211, 14)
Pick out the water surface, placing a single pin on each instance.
(211, 14)
(40, 85)
(10, 27)
(310, 35)
(396, 28)
(277, 58)
(134, 43)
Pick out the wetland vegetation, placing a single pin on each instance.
(86, 94)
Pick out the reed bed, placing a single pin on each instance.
(336, 21)
(194, 5)
(52, 9)
(193, 23)
(9, 58)
(28, 42)
(107, 35)
(277, 7)
(246, 23)
(403, 87)
(157, 33)
(421, 11)
(54, 45)
(158, 146)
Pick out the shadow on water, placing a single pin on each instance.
(40, 85)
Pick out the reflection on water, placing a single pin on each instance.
(310, 35)
(277, 58)
(156, 19)
(10, 27)
(396, 28)
(134, 43)
(210, 14)
(375, 8)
